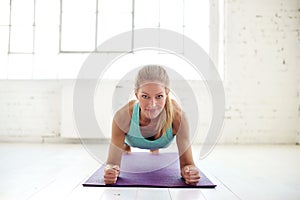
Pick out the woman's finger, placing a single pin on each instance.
(193, 178)
(110, 178)
(111, 173)
(191, 183)
(190, 170)
(187, 170)
(194, 173)
(110, 181)
(112, 169)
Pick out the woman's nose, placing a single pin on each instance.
(153, 102)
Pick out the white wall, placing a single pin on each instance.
(298, 95)
(262, 57)
(262, 83)
(30, 109)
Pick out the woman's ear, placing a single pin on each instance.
(167, 90)
(136, 95)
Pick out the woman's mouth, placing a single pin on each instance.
(150, 110)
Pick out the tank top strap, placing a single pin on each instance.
(134, 129)
(136, 113)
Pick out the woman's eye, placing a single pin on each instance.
(144, 96)
(160, 96)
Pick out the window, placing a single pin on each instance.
(86, 24)
(17, 26)
(51, 39)
(4, 25)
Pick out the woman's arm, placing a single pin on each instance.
(116, 145)
(112, 169)
(188, 169)
(120, 127)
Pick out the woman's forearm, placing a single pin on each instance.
(114, 155)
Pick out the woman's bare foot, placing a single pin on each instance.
(156, 151)
(127, 149)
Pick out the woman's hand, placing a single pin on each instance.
(191, 175)
(111, 173)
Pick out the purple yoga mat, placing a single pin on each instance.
(142, 169)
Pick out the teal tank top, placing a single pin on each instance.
(134, 138)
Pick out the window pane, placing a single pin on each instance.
(79, 6)
(21, 39)
(111, 24)
(171, 18)
(196, 20)
(78, 32)
(114, 17)
(171, 15)
(115, 5)
(4, 12)
(146, 14)
(47, 13)
(4, 31)
(22, 12)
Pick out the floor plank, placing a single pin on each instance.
(221, 191)
(90, 193)
(180, 194)
(119, 194)
(153, 193)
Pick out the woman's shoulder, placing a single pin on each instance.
(177, 111)
(178, 116)
(126, 110)
(123, 115)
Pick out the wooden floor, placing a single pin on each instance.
(57, 171)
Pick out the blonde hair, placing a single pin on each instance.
(158, 74)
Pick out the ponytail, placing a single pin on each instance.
(169, 115)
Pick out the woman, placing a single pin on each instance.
(151, 122)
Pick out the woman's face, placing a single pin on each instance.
(152, 98)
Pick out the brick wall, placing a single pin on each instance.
(29, 109)
(262, 60)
